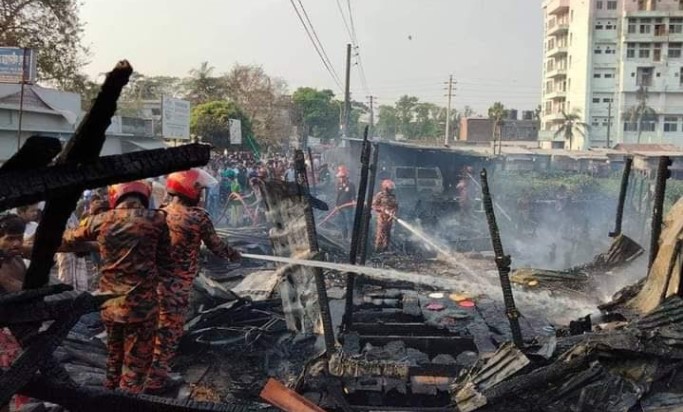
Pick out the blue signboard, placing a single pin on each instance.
(11, 68)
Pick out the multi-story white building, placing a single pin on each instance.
(600, 56)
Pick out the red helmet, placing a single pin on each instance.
(388, 185)
(342, 171)
(189, 183)
(116, 192)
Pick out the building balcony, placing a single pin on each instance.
(556, 73)
(558, 6)
(558, 29)
(557, 94)
(553, 117)
(557, 52)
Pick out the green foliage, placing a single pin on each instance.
(202, 86)
(54, 30)
(387, 125)
(317, 112)
(210, 121)
(571, 126)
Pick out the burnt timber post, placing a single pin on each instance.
(357, 227)
(622, 197)
(658, 207)
(326, 317)
(502, 262)
(367, 212)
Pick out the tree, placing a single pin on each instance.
(571, 126)
(641, 112)
(405, 109)
(498, 113)
(468, 112)
(53, 29)
(388, 123)
(210, 121)
(263, 100)
(202, 86)
(317, 112)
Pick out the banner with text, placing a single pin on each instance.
(17, 64)
(175, 121)
(235, 131)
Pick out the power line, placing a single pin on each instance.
(315, 45)
(353, 27)
(341, 12)
(315, 34)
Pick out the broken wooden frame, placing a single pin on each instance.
(26, 178)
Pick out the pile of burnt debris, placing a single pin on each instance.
(303, 339)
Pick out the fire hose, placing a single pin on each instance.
(234, 196)
(336, 210)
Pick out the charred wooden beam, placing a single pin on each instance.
(37, 151)
(33, 294)
(20, 188)
(41, 348)
(41, 311)
(367, 212)
(622, 197)
(321, 289)
(658, 206)
(84, 146)
(502, 262)
(103, 400)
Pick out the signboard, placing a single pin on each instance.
(235, 131)
(11, 68)
(175, 118)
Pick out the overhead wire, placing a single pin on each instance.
(317, 46)
(315, 34)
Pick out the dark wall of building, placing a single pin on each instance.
(481, 130)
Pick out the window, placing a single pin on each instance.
(596, 75)
(595, 123)
(612, 5)
(648, 125)
(424, 173)
(597, 51)
(598, 5)
(599, 27)
(657, 53)
(675, 25)
(670, 124)
(645, 28)
(610, 26)
(630, 50)
(644, 50)
(607, 100)
(660, 29)
(609, 75)
(610, 51)
(644, 76)
(675, 50)
(596, 100)
(630, 126)
(680, 76)
(632, 26)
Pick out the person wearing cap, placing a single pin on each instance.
(135, 249)
(189, 226)
(346, 196)
(385, 205)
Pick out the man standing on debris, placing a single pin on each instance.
(346, 196)
(189, 226)
(134, 245)
(386, 206)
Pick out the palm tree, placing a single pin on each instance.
(570, 126)
(497, 112)
(641, 112)
(202, 87)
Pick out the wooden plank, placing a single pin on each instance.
(286, 399)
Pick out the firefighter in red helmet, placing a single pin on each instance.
(189, 226)
(346, 197)
(386, 206)
(134, 245)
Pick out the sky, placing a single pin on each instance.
(493, 48)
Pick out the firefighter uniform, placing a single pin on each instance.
(386, 206)
(134, 244)
(189, 226)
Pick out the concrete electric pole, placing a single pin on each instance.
(347, 93)
(448, 112)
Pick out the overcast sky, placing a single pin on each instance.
(492, 47)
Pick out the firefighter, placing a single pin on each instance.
(386, 206)
(346, 194)
(135, 248)
(189, 226)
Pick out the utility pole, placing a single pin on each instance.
(347, 93)
(609, 121)
(372, 114)
(448, 112)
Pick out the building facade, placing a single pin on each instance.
(618, 65)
